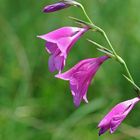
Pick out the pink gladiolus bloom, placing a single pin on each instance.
(59, 43)
(114, 118)
(80, 77)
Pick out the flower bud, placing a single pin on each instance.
(59, 6)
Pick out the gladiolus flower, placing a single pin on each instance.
(114, 118)
(80, 77)
(59, 43)
(59, 6)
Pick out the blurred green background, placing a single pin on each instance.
(36, 106)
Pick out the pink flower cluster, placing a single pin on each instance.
(58, 44)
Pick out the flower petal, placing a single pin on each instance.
(59, 62)
(55, 35)
(51, 47)
(103, 130)
(51, 64)
(64, 44)
(79, 85)
(115, 122)
(81, 66)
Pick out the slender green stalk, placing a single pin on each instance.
(108, 41)
(99, 46)
(83, 9)
(118, 58)
(127, 70)
(104, 34)
(108, 52)
(135, 86)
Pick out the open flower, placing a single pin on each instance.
(59, 43)
(80, 77)
(114, 118)
(58, 6)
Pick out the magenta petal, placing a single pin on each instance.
(78, 94)
(63, 32)
(115, 122)
(51, 47)
(59, 62)
(67, 42)
(66, 75)
(56, 62)
(78, 87)
(103, 130)
(78, 67)
(51, 64)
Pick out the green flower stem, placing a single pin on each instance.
(85, 13)
(99, 46)
(109, 53)
(116, 55)
(127, 71)
(105, 36)
(118, 58)
(135, 86)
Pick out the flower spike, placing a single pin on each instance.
(114, 118)
(59, 44)
(80, 77)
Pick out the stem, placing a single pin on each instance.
(135, 86)
(85, 13)
(127, 70)
(118, 58)
(100, 46)
(108, 41)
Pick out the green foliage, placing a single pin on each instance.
(36, 106)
